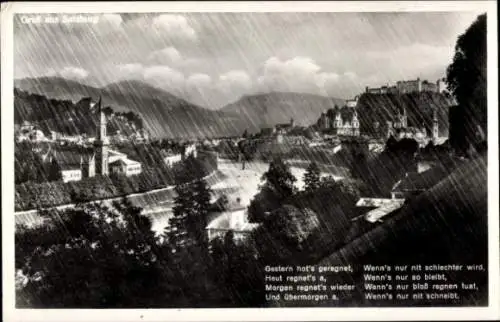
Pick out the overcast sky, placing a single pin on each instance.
(213, 59)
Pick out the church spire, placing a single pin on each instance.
(101, 143)
(101, 131)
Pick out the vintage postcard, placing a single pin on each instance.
(250, 161)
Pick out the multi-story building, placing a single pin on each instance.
(190, 149)
(352, 103)
(125, 166)
(342, 122)
(170, 158)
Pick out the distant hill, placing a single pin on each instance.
(419, 108)
(265, 110)
(164, 114)
(69, 118)
(56, 88)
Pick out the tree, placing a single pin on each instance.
(279, 178)
(312, 177)
(28, 165)
(391, 143)
(278, 186)
(190, 215)
(93, 256)
(262, 203)
(407, 146)
(327, 181)
(291, 226)
(182, 226)
(466, 77)
(238, 272)
(201, 208)
(430, 147)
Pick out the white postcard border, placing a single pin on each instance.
(284, 314)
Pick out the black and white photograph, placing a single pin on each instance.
(218, 159)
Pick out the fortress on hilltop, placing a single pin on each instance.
(409, 86)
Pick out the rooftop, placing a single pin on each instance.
(376, 202)
(378, 213)
(125, 161)
(72, 157)
(421, 181)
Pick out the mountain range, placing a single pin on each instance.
(166, 115)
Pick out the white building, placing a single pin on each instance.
(381, 207)
(337, 148)
(171, 159)
(114, 155)
(353, 102)
(71, 174)
(233, 220)
(190, 149)
(125, 166)
(120, 163)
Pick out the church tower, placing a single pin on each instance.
(338, 121)
(101, 144)
(435, 126)
(355, 123)
(355, 119)
(404, 119)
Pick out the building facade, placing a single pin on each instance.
(71, 174)
(172, 158)
(399, 128)
(235, 220)
(344, 122)
(352, 103)
(125, 166)
(284, 128)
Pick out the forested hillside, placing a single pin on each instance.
(70, 118)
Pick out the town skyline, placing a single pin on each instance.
(195, 58)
